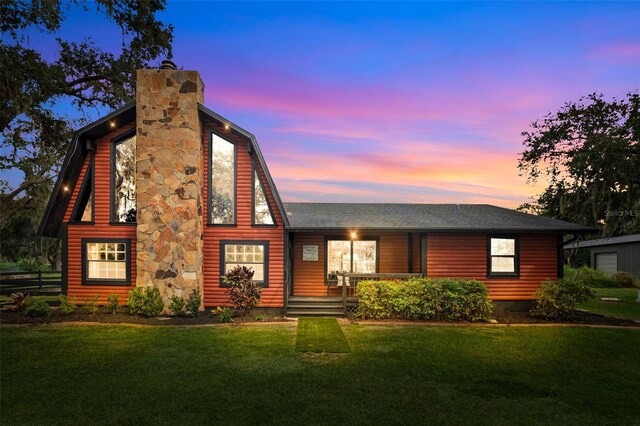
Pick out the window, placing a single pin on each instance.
(106, 261)
(503, 256)
(123, 183)
(222, 181)
(252, 254)
(261, 210)
(83, 209)
(352, 256)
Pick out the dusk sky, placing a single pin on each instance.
(397, 102)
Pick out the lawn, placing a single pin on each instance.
(253, 374)
(321, 335)
(627, 308)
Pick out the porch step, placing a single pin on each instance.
(314, 306)
(315, 312)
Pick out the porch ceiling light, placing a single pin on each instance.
(354, 235)
(112, 124)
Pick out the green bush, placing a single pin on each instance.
(135, 300)
(557, 300)
(243, 291)
(589, 277)
(222, 314)
(193, 303)
(91, 304)
(623, 279)
(36, 307)
(177, 306)
(147, 302)
(67, 305)
(113, 303)
(425, 299)
(32, 265)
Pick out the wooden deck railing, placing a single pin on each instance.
(349, 281)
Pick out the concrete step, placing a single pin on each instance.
(298, 305)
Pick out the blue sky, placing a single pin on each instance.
(396, 102)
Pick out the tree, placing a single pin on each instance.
(589, 151)
(80, 74)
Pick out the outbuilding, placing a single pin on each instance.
(615, 254)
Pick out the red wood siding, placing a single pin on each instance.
(101, 227)
(309, 276)
(214, 295)
(465, 256)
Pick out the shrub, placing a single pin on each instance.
(557, 300)
(113, 304)
(260, 318)
(589, 277)
(243, 292)
(425, 299)
(31, 265)
(193, 303)
(67, 305)
(36, 307)
(18, 301)
(91, 304)
(222, 314)
(177, 306)
(623, 279)
(135, 300)
(147, 302)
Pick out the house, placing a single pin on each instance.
(615, 254)
(166, 192)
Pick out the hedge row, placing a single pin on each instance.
(443, 299)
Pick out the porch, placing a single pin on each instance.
(344, 304)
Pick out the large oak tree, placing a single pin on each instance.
(81, 75)
(589, 152)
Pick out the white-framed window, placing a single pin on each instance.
(252, 254)
(106, 261)
(503, 256)
(352, 256)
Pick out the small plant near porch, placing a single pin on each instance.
(444, 299)
(244, 292)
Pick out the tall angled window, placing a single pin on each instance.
(261, 210)
(124, 180)
(222, 175)
(83, 209)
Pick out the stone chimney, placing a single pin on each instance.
(169, 180)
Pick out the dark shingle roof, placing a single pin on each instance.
(625, 239)
(434, 217)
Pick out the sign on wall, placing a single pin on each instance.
(310, 253)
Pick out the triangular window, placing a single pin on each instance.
(83, 210)
(262, 214)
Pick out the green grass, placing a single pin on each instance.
(253, 374)
(321, 335)
(628, 308)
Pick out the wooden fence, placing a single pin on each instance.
(38, 282)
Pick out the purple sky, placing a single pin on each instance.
(397, 102)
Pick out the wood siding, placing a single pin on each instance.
(101, 228)
(214, 295)
(465, 256)
(309, 276)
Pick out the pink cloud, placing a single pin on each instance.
(620, 52)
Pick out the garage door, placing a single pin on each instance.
(607, 262)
